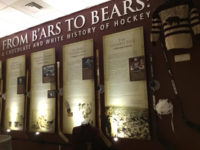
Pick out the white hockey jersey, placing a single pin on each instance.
(175, 21)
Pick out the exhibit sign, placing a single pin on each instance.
(78, 85)
(126, 99)
(43, 91)
(104, 17)
(15, 93)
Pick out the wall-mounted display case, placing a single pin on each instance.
(43, 87)
(125, 82)
(15, 93)
(78, 85)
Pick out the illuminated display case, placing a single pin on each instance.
(78, 85)
(15, 90)
(125, 82)
(43, 86)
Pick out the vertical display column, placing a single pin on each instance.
(78, 85)
(126, 98)
(15, 90)
(43, 91)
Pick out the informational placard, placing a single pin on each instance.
(126, 98)
(78, 85)
(15, 98)
(43, 100)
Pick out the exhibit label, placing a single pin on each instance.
(99, 19)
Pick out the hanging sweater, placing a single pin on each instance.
(175, 21)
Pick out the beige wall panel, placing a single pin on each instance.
(42, 108)
(14, 104)
(125, 85)
(78, 93)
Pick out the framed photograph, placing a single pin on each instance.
(49, 72)
(137, 68)
(21, 85)
(88, 68)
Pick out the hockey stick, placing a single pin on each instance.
(105, 139)
(60, 133)
(164, 143)
(26, 101)
(173, 84)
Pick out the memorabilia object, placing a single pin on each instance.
(88, 68)
(126, 99)
(137, 68)
(78, 85)
(165, 107)
(177, 19)
(182, 57)
(43, 96)
(48, 73)
(67, 107)
(154, 85)
(15, 88)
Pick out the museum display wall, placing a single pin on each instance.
(107, 66)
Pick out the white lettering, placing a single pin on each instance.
(15, 41)
(105, 14)
(116, 23)
(95, 17)
(141, 4)
(129, 19)
(127, 6)
(34, 35)
(115, 11)
(50, 30)
(58, 28)
(43, 34)
(82, 21)
(122, 21)
(148, 14)
(24, 40)
(4, 44)
(69, 23)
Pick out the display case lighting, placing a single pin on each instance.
(37, 133)
(116, 139)
(8, 130)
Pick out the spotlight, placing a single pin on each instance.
(115, 139)
(37, 133)
(8, 130)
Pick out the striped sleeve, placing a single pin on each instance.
(156, 28)
(195, 21)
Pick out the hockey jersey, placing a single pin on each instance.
(175, 21)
